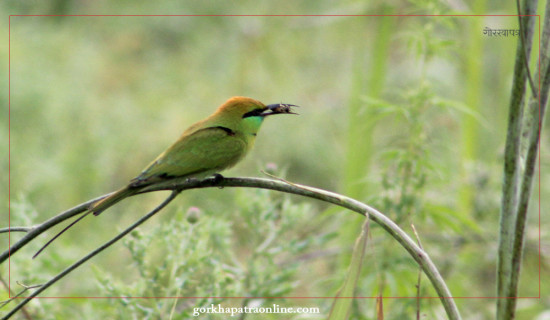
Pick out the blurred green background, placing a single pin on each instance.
(405, 113)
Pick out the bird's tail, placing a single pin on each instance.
(114, 198)
(97, 208)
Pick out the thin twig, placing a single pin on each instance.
(277, 178)
(45, 226)
(419, 276)
(25, 289)
(92, 254)
(419, 255)
(16, 229)
(525, 56)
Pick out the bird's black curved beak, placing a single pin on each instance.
(278, 108)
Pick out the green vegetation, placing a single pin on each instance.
(407, 114)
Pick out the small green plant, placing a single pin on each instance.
(252, 250)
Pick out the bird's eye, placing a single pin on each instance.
(254, 113)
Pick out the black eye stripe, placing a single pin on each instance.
(254, 113)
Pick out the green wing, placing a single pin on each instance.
(205, 151)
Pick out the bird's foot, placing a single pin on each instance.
(218, 178)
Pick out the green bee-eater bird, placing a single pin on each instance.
(205, 148)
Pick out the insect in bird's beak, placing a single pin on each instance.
(278, 108)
